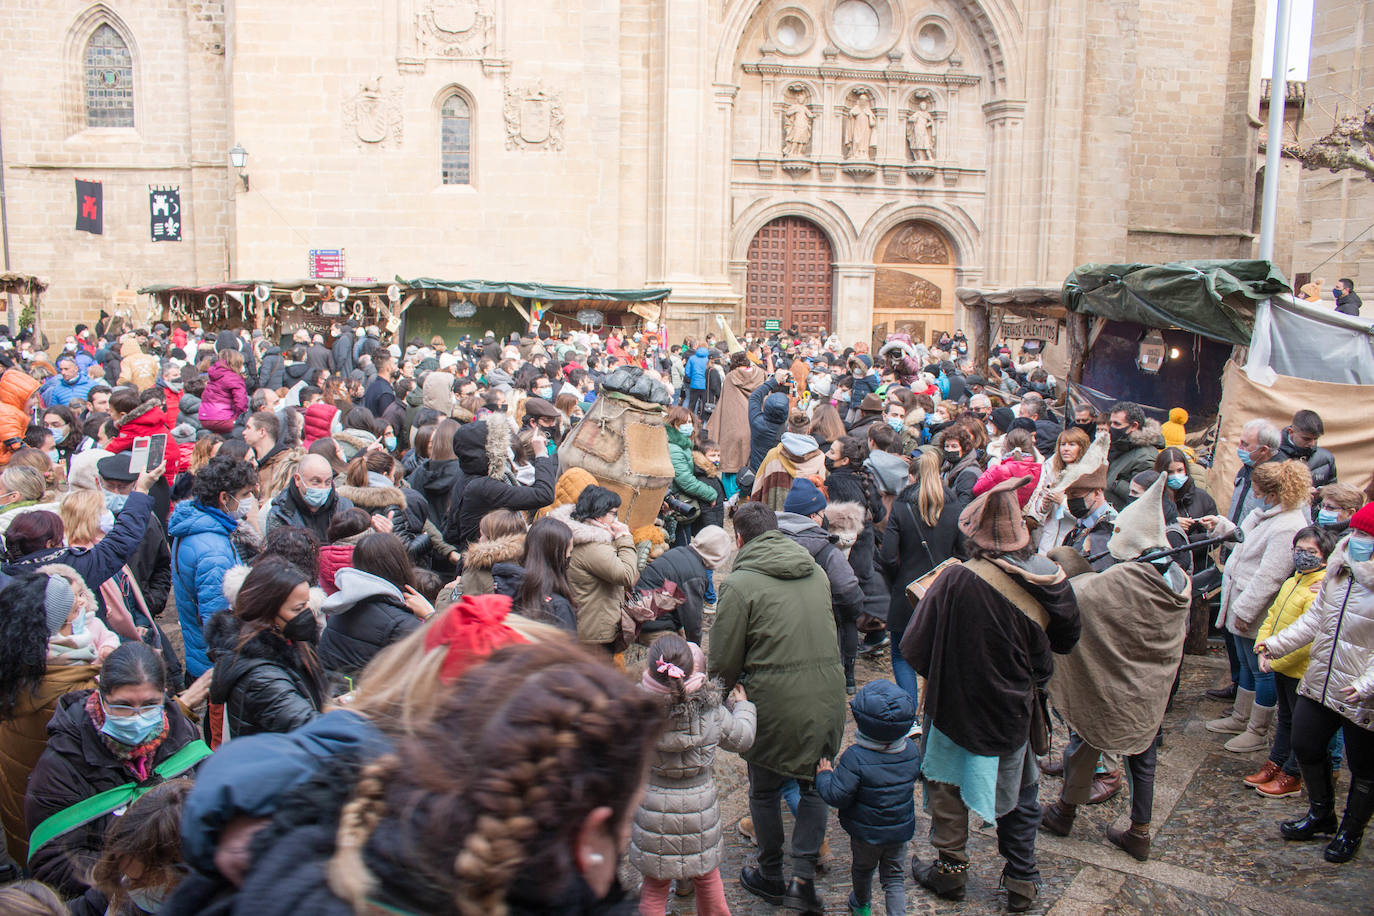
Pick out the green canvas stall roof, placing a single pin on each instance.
(1215, 299)
(542, 291)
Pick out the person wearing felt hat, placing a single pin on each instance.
(982, 636)
(1112, 689)
(1085, 500)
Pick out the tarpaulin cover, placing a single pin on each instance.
(541, 291)
(1215, 299)
(1343, 408)
(1304, 340)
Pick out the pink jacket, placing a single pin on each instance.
(1013, 467)
(225, 397)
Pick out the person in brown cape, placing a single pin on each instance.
(984, 636)
(1113, 688)
(729, 423)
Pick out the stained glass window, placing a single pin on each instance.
(109, 80)
(455, 143)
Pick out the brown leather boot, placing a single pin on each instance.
(1281, 786)
(1265, 774)
(1058, 816)
(1135, 841)
(1105, 787)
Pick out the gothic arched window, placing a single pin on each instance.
(455, 140)
(109, 80)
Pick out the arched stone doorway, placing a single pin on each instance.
(913, 283)
(789, 279)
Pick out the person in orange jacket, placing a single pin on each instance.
(18, 397)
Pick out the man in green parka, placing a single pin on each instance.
(775, 634)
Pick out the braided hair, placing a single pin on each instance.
(498, 784)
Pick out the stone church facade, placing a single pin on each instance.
(831, 164)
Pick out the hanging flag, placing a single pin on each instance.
(90, 208)
(164, 207)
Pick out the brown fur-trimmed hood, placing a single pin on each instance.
(582, 533)
(486, 554)
(704, 465)
(373, 498)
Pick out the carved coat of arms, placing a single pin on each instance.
(455, 28)
(534, 118)
(374, 114)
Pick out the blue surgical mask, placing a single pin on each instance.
(1244, 455)
(1176, 481)
(686, 429)
(1360, 549)
(79, 624)
(316, 496)
(115, 501)
(895, 423)
(389, 442)
(133, 730)
(1328, 517)
(57, 434)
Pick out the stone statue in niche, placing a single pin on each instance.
(860, 128)
(455, 28)
(920, 133)
(796, 124)
(374, 114)
(534, 118)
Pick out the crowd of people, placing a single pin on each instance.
(358, 642)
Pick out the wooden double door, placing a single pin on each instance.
(790, 278)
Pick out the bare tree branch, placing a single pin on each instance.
(1347, 147)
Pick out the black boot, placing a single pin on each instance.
(944, 877)
(760, 885)
(1358, 808)
(801, 897)
(1321, 808)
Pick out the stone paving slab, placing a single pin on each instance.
(1217, 850)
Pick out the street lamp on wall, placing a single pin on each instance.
(238, 158)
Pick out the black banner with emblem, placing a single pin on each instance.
(164, 208)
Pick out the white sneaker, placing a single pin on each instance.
(709, 608)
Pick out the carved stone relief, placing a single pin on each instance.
(455, 28)
(374, 115)
(917, 243)
(897, 289)
(534, 117)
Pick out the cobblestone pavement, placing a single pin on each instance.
(1217, 849)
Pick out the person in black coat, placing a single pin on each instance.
(508, 578)
(690, 567)
(767, 417)
(95, 744)
(342, 350)
(370, 610)
(271, 371)
(922, 532)
(266, 673)
(483, 450)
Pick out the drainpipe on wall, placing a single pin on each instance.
(5, 233)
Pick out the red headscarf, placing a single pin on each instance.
(472, 629)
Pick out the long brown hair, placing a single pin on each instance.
(930, 492)
(149, 832)
(1077, 437)
(826, 425)
(497, 786)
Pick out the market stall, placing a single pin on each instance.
(20, 295)
(454, 308)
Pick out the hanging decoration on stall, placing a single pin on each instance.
(536, 313)
(326, 263)
(462, 308)
(164, 211)
(90, 207)
(591, 318)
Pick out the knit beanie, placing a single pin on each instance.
(798, 445)
(805, 498)
(1174, 430)
(57, 603)
(1363, 520)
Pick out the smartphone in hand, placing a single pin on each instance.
(148, 452)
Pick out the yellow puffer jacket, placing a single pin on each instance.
(1294, 598)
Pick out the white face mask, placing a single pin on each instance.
(524, 474)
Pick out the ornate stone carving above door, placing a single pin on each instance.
(455, 28)
(534, 117)
(894, 288)
(917, 243)
(374, 115)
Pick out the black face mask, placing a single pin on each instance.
(829, 464)
(953, 457)
(302, 627)
(1117, 432)
(1077, 506)
(1089, 428)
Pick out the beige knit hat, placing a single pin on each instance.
(1140, 526)
(713, 544)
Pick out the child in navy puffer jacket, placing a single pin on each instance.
(872, 784)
